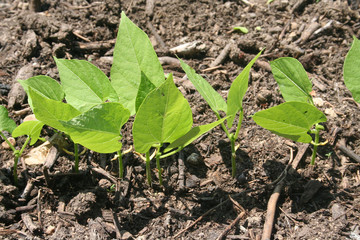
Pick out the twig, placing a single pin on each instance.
(169, 61)
(228, 228)
(342, 146)
(181, 171)
(29, 186)
(29, 223)
(149, 8)
(77, 33)
(222, 56)
(299, 155)
(38, 208)
(116, 224)
(156, 35)
(95, 46)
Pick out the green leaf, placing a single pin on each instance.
(133, 54)
(213, 98)
(164, 116)
(292, 78)
(6, 123)
(99, 128)
(144, 89)
(193, 134)
(352, 70)
(43, 85)
(50, 112)
(291, 120)
(84, 84)
(241, 29)
(29, 128)
(237, 91)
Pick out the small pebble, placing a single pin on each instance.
(5, 145)
(30, 117)
(194, 159)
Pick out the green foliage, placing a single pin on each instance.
(164, 116)
(30, 128)
(133, 56)
(99, 128)
(292, 79)
(241, 29)
(6, 123)
(352, 70)
(292, 120)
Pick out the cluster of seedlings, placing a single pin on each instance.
(92, 110)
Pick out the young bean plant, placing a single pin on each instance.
(30, 128)
(298, 116)
(232, 107)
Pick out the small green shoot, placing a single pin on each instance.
(295, 118)
(30, 128)
(232, 107)
(241, 29)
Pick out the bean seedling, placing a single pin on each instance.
(295, 118)
(232, 107)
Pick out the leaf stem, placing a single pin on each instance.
(233, 157)
(148, 170)
(157, 156)
(121, 166)
(316, 131)
(171, 153)
(223, 125)
(17, 155)
(76, 154)
(8, 142)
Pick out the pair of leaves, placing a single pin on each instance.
(214, 99)
(165, 117)
(294, 118)
(352, 70)
(30, 128)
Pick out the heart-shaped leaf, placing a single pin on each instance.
(164, 116)
(99, 128)
(30, 128)
(292, 120)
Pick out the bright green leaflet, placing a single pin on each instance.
(193, 134)
(241, 29)
(237, 91)
(352, 70)
(144, 89)
(29, 128)
(84, 84)
(6, 123)
(213, 98)
(50, 112)
(292, 79)
(99, 128)
(43, 85)
(164, 116)
(133, 54)
(292, 120)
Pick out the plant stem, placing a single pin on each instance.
(148, 170)
(158, 154)
(171, 153)
(76, 154)
(223, 125)
(233, 157)
(316, 144)
(17, 155)
(8, 142)
(121, 166)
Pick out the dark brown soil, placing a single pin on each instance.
(318, 203)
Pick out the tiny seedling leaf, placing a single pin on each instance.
(99, 128)
(237, 91)
(292, 78)
(292, 120)
(51, 112)
(213, 98)
(6, 123)
(29, 128)
(164, 116)
(133, 54)
(352, 70)
(193, 134)
(43, 85)
(241, 29)
(144, 89)
(84, 84)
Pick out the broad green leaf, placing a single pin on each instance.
(352, 70)
(45, 86)
(51, 112)
(6, 123)
(193, 134)
(213, 98)
(29, 128)
(292, 78)
(99, 128)
(237, 91)
(164, 116)
(144, 89)
(84, 84)
(292, 120)
(133, 54)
